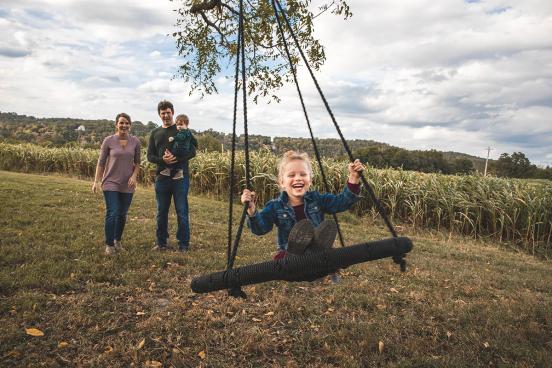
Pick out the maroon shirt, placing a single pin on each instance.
(119, 162)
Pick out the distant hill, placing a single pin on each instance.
(90, 133)
(478, 162)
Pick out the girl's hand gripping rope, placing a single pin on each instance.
(355, 169)
(249, 197)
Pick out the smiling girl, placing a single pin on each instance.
(299, 213)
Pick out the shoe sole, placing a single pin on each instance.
(324, 236)
(300, 236)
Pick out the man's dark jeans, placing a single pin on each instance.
(116, 209)
(165, 188)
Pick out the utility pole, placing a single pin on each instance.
(489, 149)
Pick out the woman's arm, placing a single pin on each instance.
(100, 167)
(98, 177)
(133, 180)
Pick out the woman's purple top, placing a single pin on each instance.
(119, 162)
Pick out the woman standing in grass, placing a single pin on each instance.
(116, 174)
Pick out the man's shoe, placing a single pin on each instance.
(300, 236)
(183, 248)
(109, 250)
(324, 236)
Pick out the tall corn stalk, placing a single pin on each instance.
(512, 210)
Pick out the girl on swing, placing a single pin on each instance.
(299, 213)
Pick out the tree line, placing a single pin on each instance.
(63, 132)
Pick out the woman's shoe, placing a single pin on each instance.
(109, 250)
(118, 245)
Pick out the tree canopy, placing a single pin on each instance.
(207, 40)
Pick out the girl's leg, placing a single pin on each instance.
(125, 199)
(111, 214)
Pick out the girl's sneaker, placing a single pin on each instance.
(300, 236)
(324, 236)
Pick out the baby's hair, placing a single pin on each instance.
(183, 117)
(290, 156)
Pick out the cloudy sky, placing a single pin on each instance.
(450, 75)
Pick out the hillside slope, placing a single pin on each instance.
(460, 303)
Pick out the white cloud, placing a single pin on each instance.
(448, 75)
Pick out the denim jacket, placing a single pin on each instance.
(278, 212)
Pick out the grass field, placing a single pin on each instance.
(461, 303)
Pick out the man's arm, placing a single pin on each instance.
(153, 157)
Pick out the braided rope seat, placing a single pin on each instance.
(306, 267)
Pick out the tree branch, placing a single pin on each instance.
(213, 25)
(230, 8)
(207, 5)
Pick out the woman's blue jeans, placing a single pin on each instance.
(165, 189)
(116, 209)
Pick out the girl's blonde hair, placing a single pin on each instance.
(290, 156)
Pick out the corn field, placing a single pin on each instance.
(506, 210)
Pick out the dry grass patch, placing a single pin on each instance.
(460, 304)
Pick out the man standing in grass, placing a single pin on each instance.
(167, 186)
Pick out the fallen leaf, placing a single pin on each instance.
(34, 332)
(63, 344)
(109, 349)
(380, 346)
(140, 313)
(141, 344)
(153, 364)
(269, 314)
(393, 290)
(486, 344)
(201, 354)
(256, 319)
(13, 354)
(449, 334)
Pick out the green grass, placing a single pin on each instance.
(461, 303)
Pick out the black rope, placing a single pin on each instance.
(233, 159)
(315, 146)
(246, 142)
(376, 201)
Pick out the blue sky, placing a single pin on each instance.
(446, 75)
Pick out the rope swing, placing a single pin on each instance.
(306, 267)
